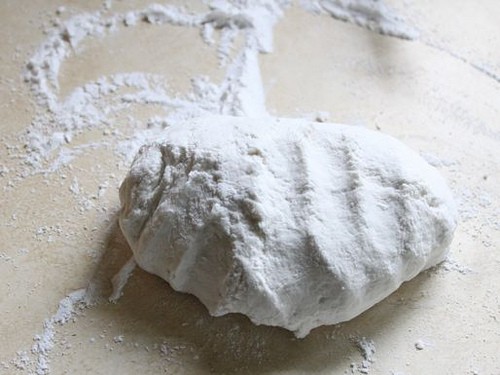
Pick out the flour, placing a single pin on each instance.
(436, 161)
(371, 14)
(367, 350)
(121, 278)
(45, 341)
(87, 107)
(50, 139)
(95, 104)
(292, 223)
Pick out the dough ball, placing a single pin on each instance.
(293, 223)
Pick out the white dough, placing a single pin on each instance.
(292, 223)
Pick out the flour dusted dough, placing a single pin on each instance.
(292, 223)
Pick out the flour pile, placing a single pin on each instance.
(292, 223)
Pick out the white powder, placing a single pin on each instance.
(367, 350)
(120, 279)
(94, 104)
(49, 139)
(44, 342)
(371, 14)
(292, 223)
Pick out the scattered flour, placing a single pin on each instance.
(21, 361)
(38, 362)
(118, 339)
(94, 104)
(374, 15)
(121, 278)
(437, 161)
(50, 138)
(367, 349)
(452, 265)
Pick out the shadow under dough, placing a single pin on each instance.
(231, 343)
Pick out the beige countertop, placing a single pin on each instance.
(439, 94)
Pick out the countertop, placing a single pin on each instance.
(439, 94)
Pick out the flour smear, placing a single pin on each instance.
(50, 138)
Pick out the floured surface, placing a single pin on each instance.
(292, 223)
(434, 101)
